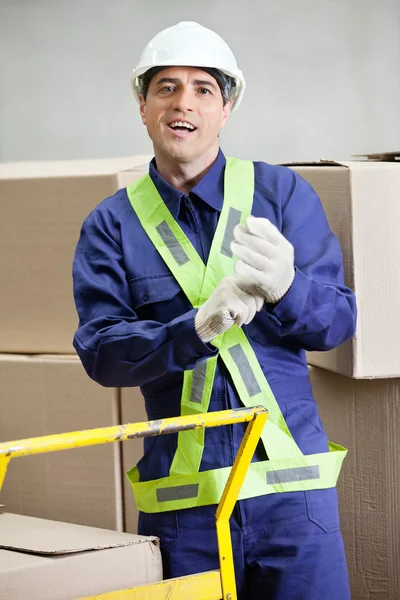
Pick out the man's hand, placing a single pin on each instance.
(231, 302)
(265, 258)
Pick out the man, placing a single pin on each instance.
(196, 338)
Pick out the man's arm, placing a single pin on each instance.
(314, 307)
(318, 309)
(115, 347)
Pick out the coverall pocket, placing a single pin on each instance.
(163, 525)
(322, 509)
(307, 429)
(305, 425)
(156, 288)
(158, 298)
(155, 464)
(309, 411)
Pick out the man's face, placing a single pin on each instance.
(184, 95)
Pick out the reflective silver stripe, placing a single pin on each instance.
(234, 217)
(198, 381)
(296, 474)
(180, 256)
(245, 370)
(178, 492)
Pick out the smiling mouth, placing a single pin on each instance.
(182, 127)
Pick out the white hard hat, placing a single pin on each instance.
(191, 45)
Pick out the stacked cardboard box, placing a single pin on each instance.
(42, 395)
(44, 389)
(364, 416)
(361, 200)
(42, 207)
(357, 385)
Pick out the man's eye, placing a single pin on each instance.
(167, 88)
(204, 91)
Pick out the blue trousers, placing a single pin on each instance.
(286, 546)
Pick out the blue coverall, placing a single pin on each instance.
(136, 328)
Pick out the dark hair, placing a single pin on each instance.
(225, 82)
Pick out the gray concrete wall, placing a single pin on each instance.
(323, 76)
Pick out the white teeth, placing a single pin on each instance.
(182, 124)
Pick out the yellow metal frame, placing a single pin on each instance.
(213, 585)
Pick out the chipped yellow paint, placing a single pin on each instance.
(204, 586)
(118, 433)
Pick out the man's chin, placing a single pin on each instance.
(181, 154)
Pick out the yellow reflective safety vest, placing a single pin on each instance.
(287, 468)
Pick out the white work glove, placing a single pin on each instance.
(265, 257)
(231, 302)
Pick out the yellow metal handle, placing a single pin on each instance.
(255, 417)
(119, 433)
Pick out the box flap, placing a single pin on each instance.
(382, 156)
(315, 163)
(346, 164)
(71, 168)
(46, 538)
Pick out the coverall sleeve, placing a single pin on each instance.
(319, 311)
(115, 347)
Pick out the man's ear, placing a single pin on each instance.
(142, 104)
(226, 111)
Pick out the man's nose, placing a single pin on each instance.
(184, 100)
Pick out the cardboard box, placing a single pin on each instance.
(46, 560)
(361, 200)
(132, 411)
(42, 207)
(43, 395)
(364, 416)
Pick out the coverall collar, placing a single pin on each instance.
(210, 188)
